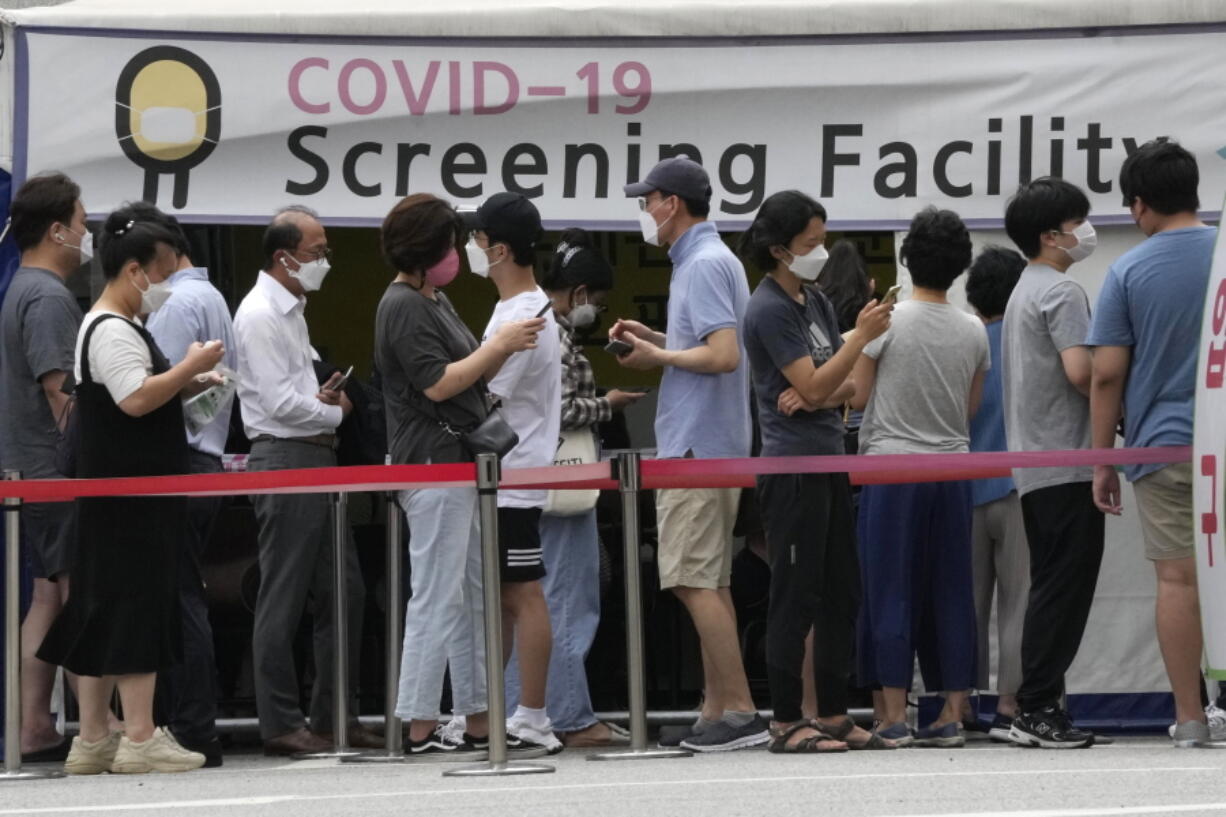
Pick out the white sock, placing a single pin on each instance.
(536, 718)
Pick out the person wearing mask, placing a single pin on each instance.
(434, 374)
(291, 421)
(1046, 373)
(801, 376)
(578, 281)
(703, 412)
(195, 312)
(506, 229)
(1147, 321)
(38, 331)
(918, 385)
(999, 552)
(120, 626)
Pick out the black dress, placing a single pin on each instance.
(122, 615)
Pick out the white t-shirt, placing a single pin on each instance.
(530, 387)
(119, 358)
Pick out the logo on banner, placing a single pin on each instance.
(167, 116)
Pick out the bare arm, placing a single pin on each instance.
(865, 376)
(1110, 375)
(719, 353)
(976, 394)
(52, 382)
(1077, 367)
(511, 337)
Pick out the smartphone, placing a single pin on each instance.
(619, 348)
(344, 380)
(637, 389)
(891, 295)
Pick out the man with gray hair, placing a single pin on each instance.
(292, 420)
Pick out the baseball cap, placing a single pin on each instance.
(508, 216)
(680, 176)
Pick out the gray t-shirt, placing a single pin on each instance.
(38, 335)
(926, 364)
(1048, 312)
(416, 338)
(778, 332)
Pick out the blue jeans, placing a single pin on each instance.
(572, 590)
(443, 625)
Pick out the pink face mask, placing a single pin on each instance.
(445, 271)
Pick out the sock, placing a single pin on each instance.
(701, 725)
(739, 718)
(536, 718)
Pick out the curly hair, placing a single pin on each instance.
(991, 279)
(936, 249)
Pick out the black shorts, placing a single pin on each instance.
(519, 544)
(47, 532)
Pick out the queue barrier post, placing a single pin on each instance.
(630, 484)
(12, 645)
(393, 751)
(487, 507)
(340, 637)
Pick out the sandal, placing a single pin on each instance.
(810, 745)
(847, 726)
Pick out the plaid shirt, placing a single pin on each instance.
(581, 408)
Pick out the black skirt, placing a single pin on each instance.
(122, 615)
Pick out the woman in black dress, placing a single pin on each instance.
(121, 623)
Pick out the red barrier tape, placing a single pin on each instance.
(677, 473)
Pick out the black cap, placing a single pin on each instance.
(511, 217)
(678, 176)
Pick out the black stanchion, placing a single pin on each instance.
(630, 484)
(12, 645)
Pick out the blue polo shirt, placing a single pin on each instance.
(704, 415)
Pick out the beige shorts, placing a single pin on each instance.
(1164, 500)
(695, 527)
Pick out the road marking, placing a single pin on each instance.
(454, 791)
(1105, 811)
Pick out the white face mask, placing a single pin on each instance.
(651, 230)
(1087, 240)
(154, 296)
(808, 267)
(86, 247)
(310, 274)
(583, 315)
(478, 258)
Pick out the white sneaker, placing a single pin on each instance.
(454, 729)
(534, 735)
(92, 758)
(161, 753)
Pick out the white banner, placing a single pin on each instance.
(226, 129)
(1209, 467)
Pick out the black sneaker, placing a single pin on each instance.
(211, 749)
(1049, 728)
(999, 731)
(672, 736)
(440, 746)
(724, 737)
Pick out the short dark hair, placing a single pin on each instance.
(127, 237)
(698, 208)
(936, 249)
(145, 211)
(991, 279)
(577, 262)
(845, 282)
(283, 233)
(782, 217)
(418, 232)
(1042, 206)
(1164, 175)
(40, 202)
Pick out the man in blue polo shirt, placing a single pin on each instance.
(703, 413)
(1145, 333)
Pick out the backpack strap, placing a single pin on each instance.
(89, 333)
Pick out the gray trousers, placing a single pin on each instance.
(1001, 559)
(295, 536)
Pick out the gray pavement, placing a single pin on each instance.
(1135, 776)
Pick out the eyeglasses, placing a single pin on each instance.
(320, 255)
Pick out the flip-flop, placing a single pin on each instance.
(52, 754)
(874, 743)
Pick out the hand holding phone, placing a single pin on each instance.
(891, 295)
(339, 385)
(618, 347)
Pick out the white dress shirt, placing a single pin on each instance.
(277, 383)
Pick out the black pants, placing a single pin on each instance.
(187, 694)
(1065, 533)
(815, 582)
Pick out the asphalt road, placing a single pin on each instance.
(1135, 776)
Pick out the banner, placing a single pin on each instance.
(1209, 467)
(226, 128)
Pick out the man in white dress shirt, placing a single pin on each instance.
(292, 421)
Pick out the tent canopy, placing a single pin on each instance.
(612, 18)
